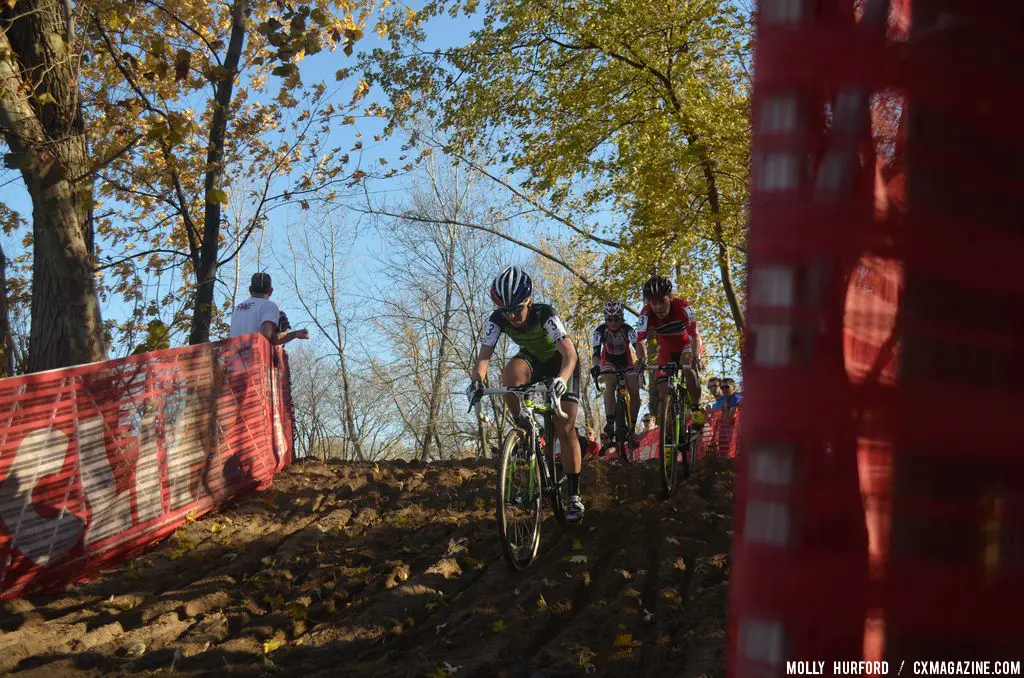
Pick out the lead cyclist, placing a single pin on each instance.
(545, 350)
(673, 320)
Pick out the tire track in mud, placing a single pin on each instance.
(395, 569)
(650, 602)
(584, 594)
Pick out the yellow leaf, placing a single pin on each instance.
(498, 626)
(577, 545)
(271, 645)
(216, 196)
(361, 90)
(216, 527)
(542, 604)
(45, 98)
(623, 640)
(410, 18)
(190, 517)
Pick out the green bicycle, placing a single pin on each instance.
(528, 471)
(678, 441)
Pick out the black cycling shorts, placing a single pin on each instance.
(539, 369)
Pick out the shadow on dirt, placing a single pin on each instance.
(395, 570)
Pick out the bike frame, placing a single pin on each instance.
(622, 398)
(547, 408)
(680, 397)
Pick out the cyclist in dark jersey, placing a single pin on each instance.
(545, 350)
(613, 342)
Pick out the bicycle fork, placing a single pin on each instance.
(534, 458)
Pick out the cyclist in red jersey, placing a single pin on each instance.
(673, 320)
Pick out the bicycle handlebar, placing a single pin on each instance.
(521, 391)
(618, 371)
(668, 366)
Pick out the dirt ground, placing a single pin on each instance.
(395, 570)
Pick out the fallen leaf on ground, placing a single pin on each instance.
(623, 640)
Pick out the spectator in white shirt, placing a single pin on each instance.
(259, 314)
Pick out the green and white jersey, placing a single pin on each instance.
(538, 335)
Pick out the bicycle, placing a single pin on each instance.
(677, 408)
(623, 440)
(522, 481)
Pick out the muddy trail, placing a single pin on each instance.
(395, 570)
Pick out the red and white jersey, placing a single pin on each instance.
(615, 343)
(680, 323)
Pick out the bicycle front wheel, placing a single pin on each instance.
(623, 441)
(519, 491)
(559, 490)
(668, 451)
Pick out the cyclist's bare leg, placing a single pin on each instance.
(565, 429)
(633, 385)
(517, 372)
(610, 383)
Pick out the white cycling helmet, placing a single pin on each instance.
(613, 309)
(511, 288)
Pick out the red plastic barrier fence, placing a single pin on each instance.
(720, 436)
(876, 520)
(99, 461)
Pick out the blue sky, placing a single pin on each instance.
(366, 245)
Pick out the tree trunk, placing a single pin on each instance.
(435, 387)
(6, 343)
(723, 251)
(45, 133)
(350, 417)
(206, 271)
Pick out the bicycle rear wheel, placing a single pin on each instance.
(519, 490)
(668, 451)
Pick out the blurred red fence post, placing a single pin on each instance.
(884, 248)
